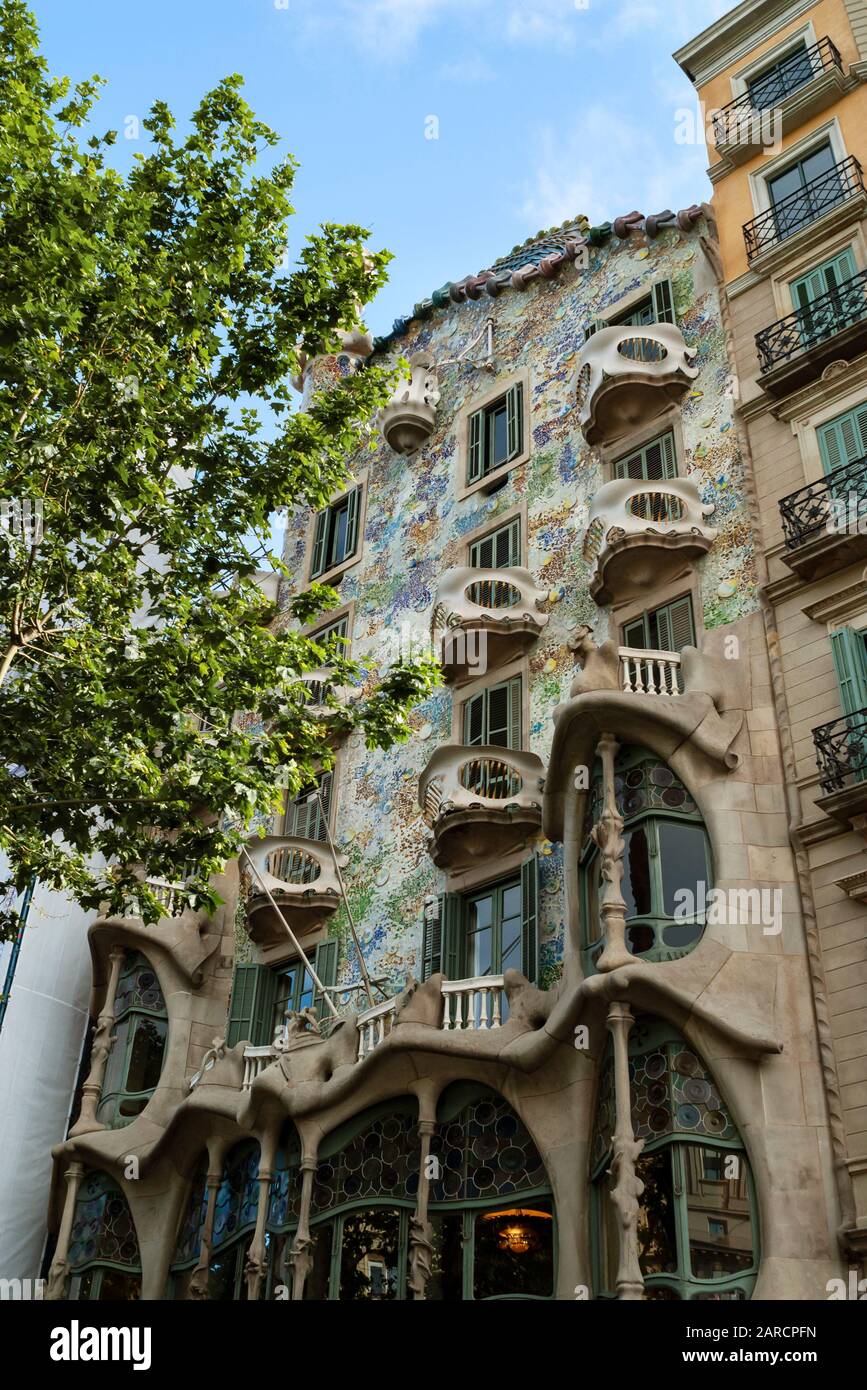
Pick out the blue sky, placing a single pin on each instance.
(544, 109)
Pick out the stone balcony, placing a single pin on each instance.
(480, 802)
(627, 376)
(640, 533)
(301, 878)
(487, 618)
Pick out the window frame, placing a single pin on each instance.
(326, 573)
(108, 1110)
(494, 479)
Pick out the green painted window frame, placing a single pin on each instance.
(822, 279)
(254, 992)
(687, 1285)
(654, 462)
(86, 1284)
(677, 615)
(499, 549)
(134, 1016)
(307, 819)
(843, 440)
(325, 535)
(445, 927)
(478, 707)
(656, 920)
(481, 434)
(656, 307)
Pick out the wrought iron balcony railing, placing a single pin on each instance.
(787, 77)
(837, 185)
(832, 505)
(827, 316)
(841, 751)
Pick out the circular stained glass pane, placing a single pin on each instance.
(654, 1065)
(657, 1093)
(696, 1090)
(484, 1177)
(506, 1126)
(634, 777)
(688, 1116)
(512, 1159)
(674, 797)
(661, 776)
(484, 1146)
(686, 1063)
(659, 1120)
(633, 803)
(715, 1122)
(485, 1113)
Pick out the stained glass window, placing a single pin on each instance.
(139, 1040)
(697, 1221)
(103, 1247)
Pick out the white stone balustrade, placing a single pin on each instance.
(256, 1059)
(170, 895)
(474, 1004)
(374, 1026)
(628, 375)
(650, 672)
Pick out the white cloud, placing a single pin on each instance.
(607, 166)
(467, 71)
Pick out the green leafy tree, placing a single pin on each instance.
(151, 705)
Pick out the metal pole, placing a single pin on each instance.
(292, 937)
(362, 966)
(16, 948)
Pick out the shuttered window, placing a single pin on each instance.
(494, 715)
(849, 650)
(496, 434)
(307, 813)
(654, 462)
(822, 280)
(844, 440)
(658, 307)
(487, 932)
(335, 535)
(666, 629)
(501, 549)
(262, 995)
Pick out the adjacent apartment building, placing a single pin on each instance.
(784, 86)
(562, 997)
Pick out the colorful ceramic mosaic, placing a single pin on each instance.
(417, 525)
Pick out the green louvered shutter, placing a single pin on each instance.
(675, 625)
(635, 633)
(325, 964)
(242, 1004)
(263, 1010)
(451, 918)
(850, 664)
(353, 509)
(474, 719)
(500, 550)
(515, 420)
(844, 440)
(319, 536)
(530, 918)
(476, 448)
(821, 280)
(431, 940)
(663, 302)
(515, 712)
(655, 462)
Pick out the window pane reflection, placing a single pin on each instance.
(369, 1256)
(720, 1228)
(446, 1283)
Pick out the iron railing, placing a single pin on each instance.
(839, 183)
(832, 505)
(815, 323)
(841, 751)
(770, 90)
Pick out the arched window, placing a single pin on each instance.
(490, 1204)
(667, 869)
(103, 1247)
(235, 1210)
(136, 1058)
(698, 1233)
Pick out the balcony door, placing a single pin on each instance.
(494, 930)
(826, 300)
(666, 629)
(843, 441)
(805, 191)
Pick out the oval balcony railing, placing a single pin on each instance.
(480, 801)
(650, 672)
(486, 617)
(474, 1004)
(737, 120)
(638, 531)
(628, 376)
(300, 876)
(803, 207)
